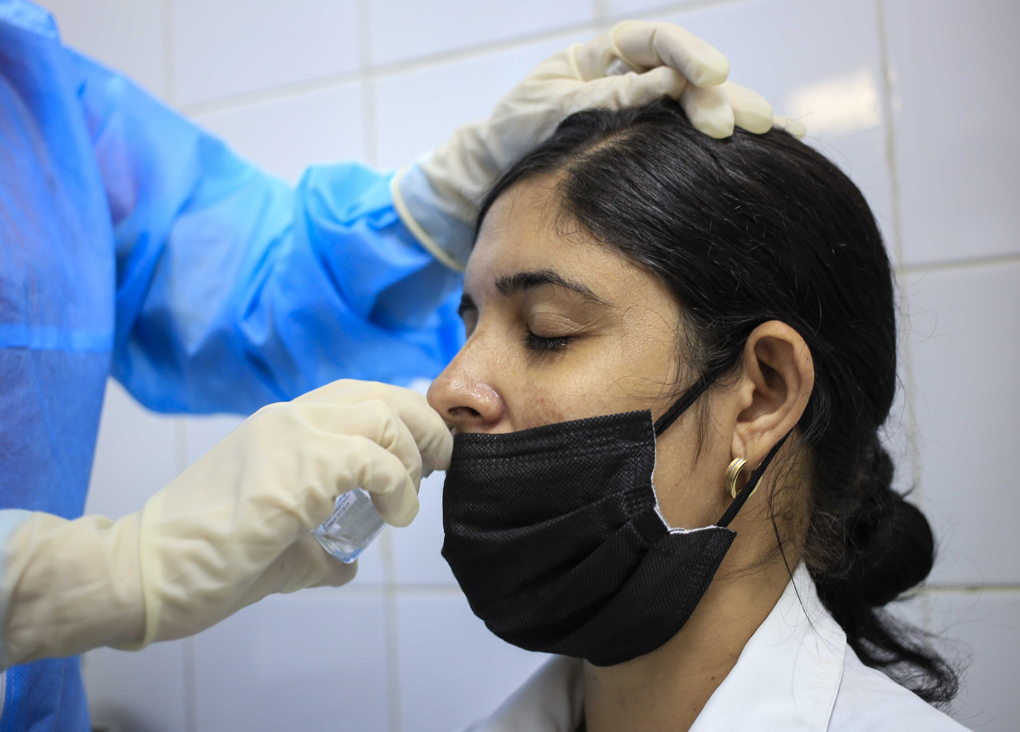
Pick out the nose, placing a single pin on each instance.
(464, 399)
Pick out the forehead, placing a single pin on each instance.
(525, 229)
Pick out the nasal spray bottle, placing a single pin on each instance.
(353, 526)
(355, 523)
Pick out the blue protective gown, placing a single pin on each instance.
(134, 244)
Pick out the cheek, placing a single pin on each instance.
(541, 398)
(691, 494)
(591, 377)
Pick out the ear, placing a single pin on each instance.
(779, 375)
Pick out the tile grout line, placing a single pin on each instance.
(190, 687)
(169, 77)
(391, 640)
(369, 131)
(449, 590)
(970, 589)
(903, 302)
(890, 128)
(372, 72)
(959, 264)
(370, 149)
(435, 590)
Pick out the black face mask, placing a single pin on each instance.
(555, 536)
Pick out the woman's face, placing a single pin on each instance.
(560, 328)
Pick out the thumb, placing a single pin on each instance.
(303, 564)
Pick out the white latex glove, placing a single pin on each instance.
(635, 63)
(231, 529)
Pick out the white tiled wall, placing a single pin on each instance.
(956, 150)
(965, 355)
(314, 661)
(233, 47)
(286, 133)
(401, 30)
(452, 669)
(914, 98)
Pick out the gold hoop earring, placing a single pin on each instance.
(732, 474)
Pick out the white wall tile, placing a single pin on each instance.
(418, 110)
(288, 134)
(136, 455)
(138, 691)
(203, 433)
(236, 46)
(452, 669)
(126, 35)
(965, 360)
(314, 660)
(984, 629)
(818, 62)
(416, 549)
(402, 30)
(956, 152)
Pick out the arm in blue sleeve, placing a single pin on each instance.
(233, 288)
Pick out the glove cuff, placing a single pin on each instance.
(431, 218)
(10, 520)
(71, 586)
(150, 571)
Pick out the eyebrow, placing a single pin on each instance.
(509, 285)
(512, 284)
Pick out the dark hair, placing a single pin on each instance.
(756, 228)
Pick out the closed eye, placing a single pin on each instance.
(541, 344)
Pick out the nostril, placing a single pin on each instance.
(463, 413)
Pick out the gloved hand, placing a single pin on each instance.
(633, 64)
(231, 529)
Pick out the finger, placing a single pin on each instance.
(708, 109)
(325, 390)
(302, 564)
(793, 126)
(305, 564)
(339, 573)
(383, 476)
(432, 436)
(372, 419)
(631, 90)
(646, 45)
(751, 111)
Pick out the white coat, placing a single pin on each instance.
(796, 674)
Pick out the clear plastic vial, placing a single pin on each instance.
(353, 526)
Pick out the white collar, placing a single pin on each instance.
(786, 678)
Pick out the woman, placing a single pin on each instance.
(624, 262)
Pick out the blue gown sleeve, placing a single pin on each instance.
(235, 289)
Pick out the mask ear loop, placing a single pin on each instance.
(752, 483)
(686, 399)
